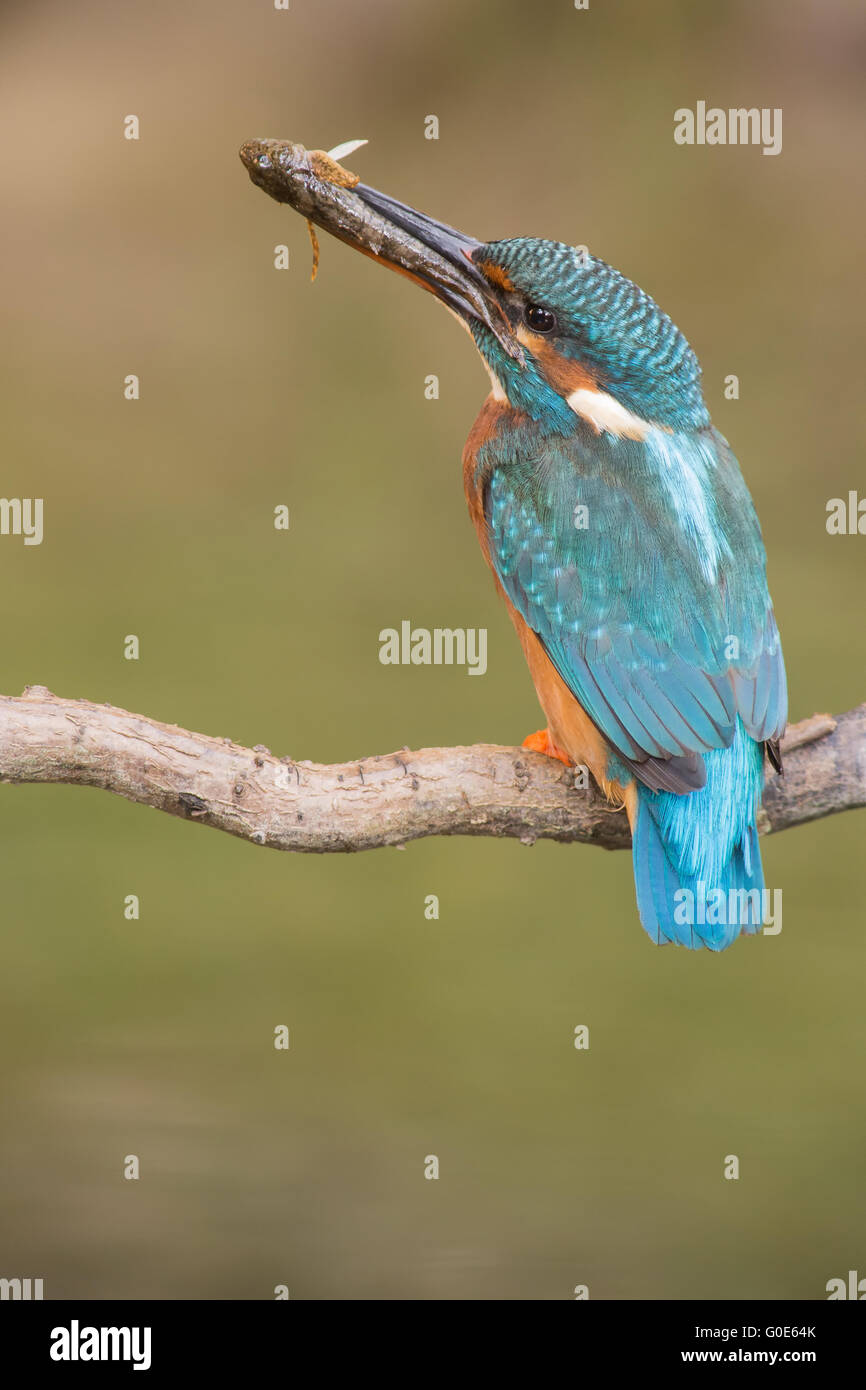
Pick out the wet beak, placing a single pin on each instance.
(431, 253)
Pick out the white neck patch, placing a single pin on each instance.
(497, 390)
(606, 414)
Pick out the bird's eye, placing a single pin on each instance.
(539, 320)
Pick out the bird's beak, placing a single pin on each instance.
(431, 253)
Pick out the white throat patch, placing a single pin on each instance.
(606, 414)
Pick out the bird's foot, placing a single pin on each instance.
(541, 742)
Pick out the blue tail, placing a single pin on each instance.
(697, 864)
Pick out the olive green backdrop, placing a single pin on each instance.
(408, 1037)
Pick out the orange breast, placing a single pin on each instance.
(570, 726)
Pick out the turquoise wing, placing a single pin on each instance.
(640, 565)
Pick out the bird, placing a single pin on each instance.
(621, 537)
(624, 541)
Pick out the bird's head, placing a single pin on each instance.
(590, 337)
(565, 337)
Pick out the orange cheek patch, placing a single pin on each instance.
(495, 274)
(564, 374)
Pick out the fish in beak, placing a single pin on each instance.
(431, 253)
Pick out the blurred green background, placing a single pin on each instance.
(409, 1037)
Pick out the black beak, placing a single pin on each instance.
(434, 255)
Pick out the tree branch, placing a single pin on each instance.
(309, 807)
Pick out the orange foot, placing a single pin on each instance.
(541, 742)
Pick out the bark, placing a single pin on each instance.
(310, 807)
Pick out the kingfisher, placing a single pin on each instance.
(620, 534)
